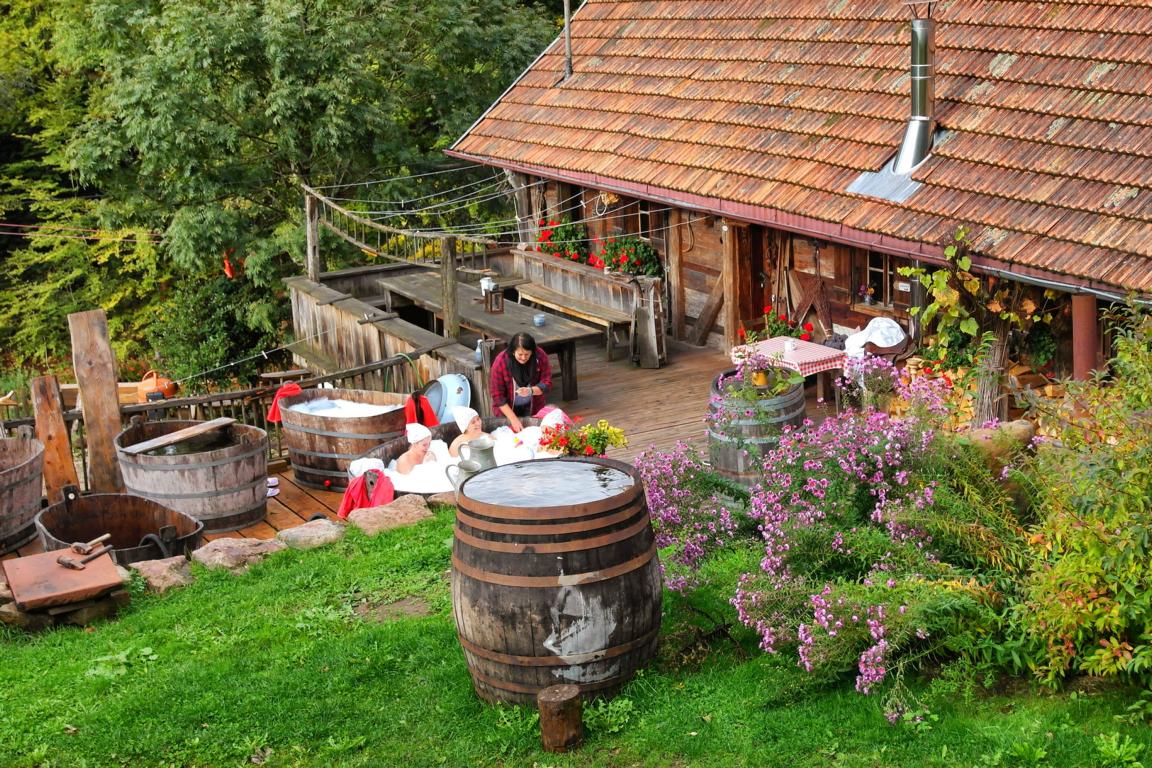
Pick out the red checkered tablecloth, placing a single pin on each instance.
(805, 358)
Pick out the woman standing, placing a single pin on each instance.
(521, 380)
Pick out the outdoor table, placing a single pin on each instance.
(805, 358)
(558, 334)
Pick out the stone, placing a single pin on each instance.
(236, 554)
(165, 574)
(100, 609)
(448, 499)
(1000, 442)
(311, 535)
(5, 593)
(29, 622)
(406, 510)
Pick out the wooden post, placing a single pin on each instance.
(313, 262)
(59, 469)
(675, 276)
(735, 233)
(561, 722)
(448, 277)
(95, 368)
(487, 355)
(1085, 336)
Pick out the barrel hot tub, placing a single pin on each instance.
(555, 577)
(21, 486)
(322, 445)
(735, 452)
(141, 528)
(219, 478)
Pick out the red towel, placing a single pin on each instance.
(419, 411)
(286, 390)
(356, 494)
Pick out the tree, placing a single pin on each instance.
(192, 123)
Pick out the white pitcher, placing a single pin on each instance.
(480, 451)
(464, 470)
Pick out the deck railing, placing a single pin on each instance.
(247, 406)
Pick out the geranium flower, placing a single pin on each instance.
(805, 337)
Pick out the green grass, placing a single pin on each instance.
(277, 667)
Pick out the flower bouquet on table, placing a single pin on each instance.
(582, 439)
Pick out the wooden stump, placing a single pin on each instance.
(561, 723)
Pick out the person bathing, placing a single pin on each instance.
(520, 381)
(419, 441)
(471, 427)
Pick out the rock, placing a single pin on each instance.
(29, 622)
(125, 574)
(101, 609)
(448, 498)
(236, 554)
(5, 593)
(312, 534)
(406, 510)
(1000, 442)
(162, 575)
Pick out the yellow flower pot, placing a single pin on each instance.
(760, 378)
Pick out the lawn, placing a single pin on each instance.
(347, 656)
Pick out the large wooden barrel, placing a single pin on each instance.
(394, 448)
(221, 481)
(141, 528)
(21, 486)
(554, 577)
(321, 447)
(735, 451)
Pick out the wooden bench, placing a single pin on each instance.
(611, 319)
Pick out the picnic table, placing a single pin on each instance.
(805, 357)
(558, 334)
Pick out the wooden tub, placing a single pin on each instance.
(225, 487)
(320, 447)
(21, 484)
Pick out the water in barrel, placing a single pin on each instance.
(554, 577)
(212, 441)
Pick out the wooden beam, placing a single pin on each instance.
(59, 469)
(95, 368)
(708, 314)
(313, 261)
(1085, 336)
(675, 276)
(734, 232)
(448, 280)
(179, 435)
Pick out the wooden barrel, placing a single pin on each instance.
(141, 528)
(321, 447)
(546, 592)
(224, 487)
(21, 486)
(735, 451)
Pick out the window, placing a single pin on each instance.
(879, 282)
(644, 220)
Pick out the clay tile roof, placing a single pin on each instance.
(1045, 109)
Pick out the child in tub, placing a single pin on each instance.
(419, 441)
(471, 427)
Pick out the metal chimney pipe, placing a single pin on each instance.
(567, 39)
(917, 141)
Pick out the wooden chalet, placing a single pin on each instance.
(752, 142)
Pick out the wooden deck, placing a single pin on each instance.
(654, 407)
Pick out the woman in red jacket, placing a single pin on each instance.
(521, 380)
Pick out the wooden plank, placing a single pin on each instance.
(59, 469)
(95, 369)
(708, 314)
(39, 581)
(179, 435)
(675, 276)
(568, 305)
